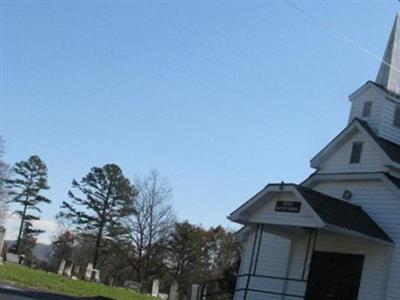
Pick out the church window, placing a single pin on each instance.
(396, 120)
(367, 109)
(356, 153)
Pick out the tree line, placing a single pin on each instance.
(126, 229)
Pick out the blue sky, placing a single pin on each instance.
(220, 97)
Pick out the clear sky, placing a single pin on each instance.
(221, 97)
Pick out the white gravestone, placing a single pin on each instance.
(155, 288)
(204, 293)
(92, 274)
(88, 272)
(61, 267)
(173, 291)
(163, 296)
(195, 292)
(96, 275)
(75, 271)
(12, 258)
(133, 285)
(68, 270)
(2, 235)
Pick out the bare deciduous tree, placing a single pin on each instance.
(151, 224)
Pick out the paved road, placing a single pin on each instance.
(11, 293)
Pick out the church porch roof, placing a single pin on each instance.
(334, 214)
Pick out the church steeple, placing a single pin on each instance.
(389, 76)
(378, 103)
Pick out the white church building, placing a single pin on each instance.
(336, 235)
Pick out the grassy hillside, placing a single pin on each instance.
(36, 279)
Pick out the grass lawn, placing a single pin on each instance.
(24, 277)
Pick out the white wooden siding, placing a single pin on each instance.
(387, 130)
(382, 113)
(375, 266)
(381, 271)
(272, 261)
(378, 200)
(375, 263)
(267, 213)
(377, 98)
(339, 162)
(383, 205)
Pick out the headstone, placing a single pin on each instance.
(2, 235)
(92, 274)
(96, 275)
(12, 258)
(133, 285)
(68, 270)
(173, 291)
(61, 267)
(88, 272)
(111, 280)
(155, 288)
(76, 269)
(163, 296)
(204, 293)
(194, 295)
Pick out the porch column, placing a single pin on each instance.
(254, 255)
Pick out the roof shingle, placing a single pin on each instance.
(342, 214)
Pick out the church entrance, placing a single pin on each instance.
(334, 276)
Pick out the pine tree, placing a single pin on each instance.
(104, 197)
(28, 180)
(28, 241)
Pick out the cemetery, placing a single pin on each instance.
(13, 272)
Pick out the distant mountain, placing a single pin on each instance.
(41, 251)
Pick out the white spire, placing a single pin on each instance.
(389, 76)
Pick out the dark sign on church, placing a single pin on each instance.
(288, 206)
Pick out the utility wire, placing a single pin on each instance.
(204, 1)
(340, 34)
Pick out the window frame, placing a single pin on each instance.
(354, 157)
(396, 117)
(367, 109)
